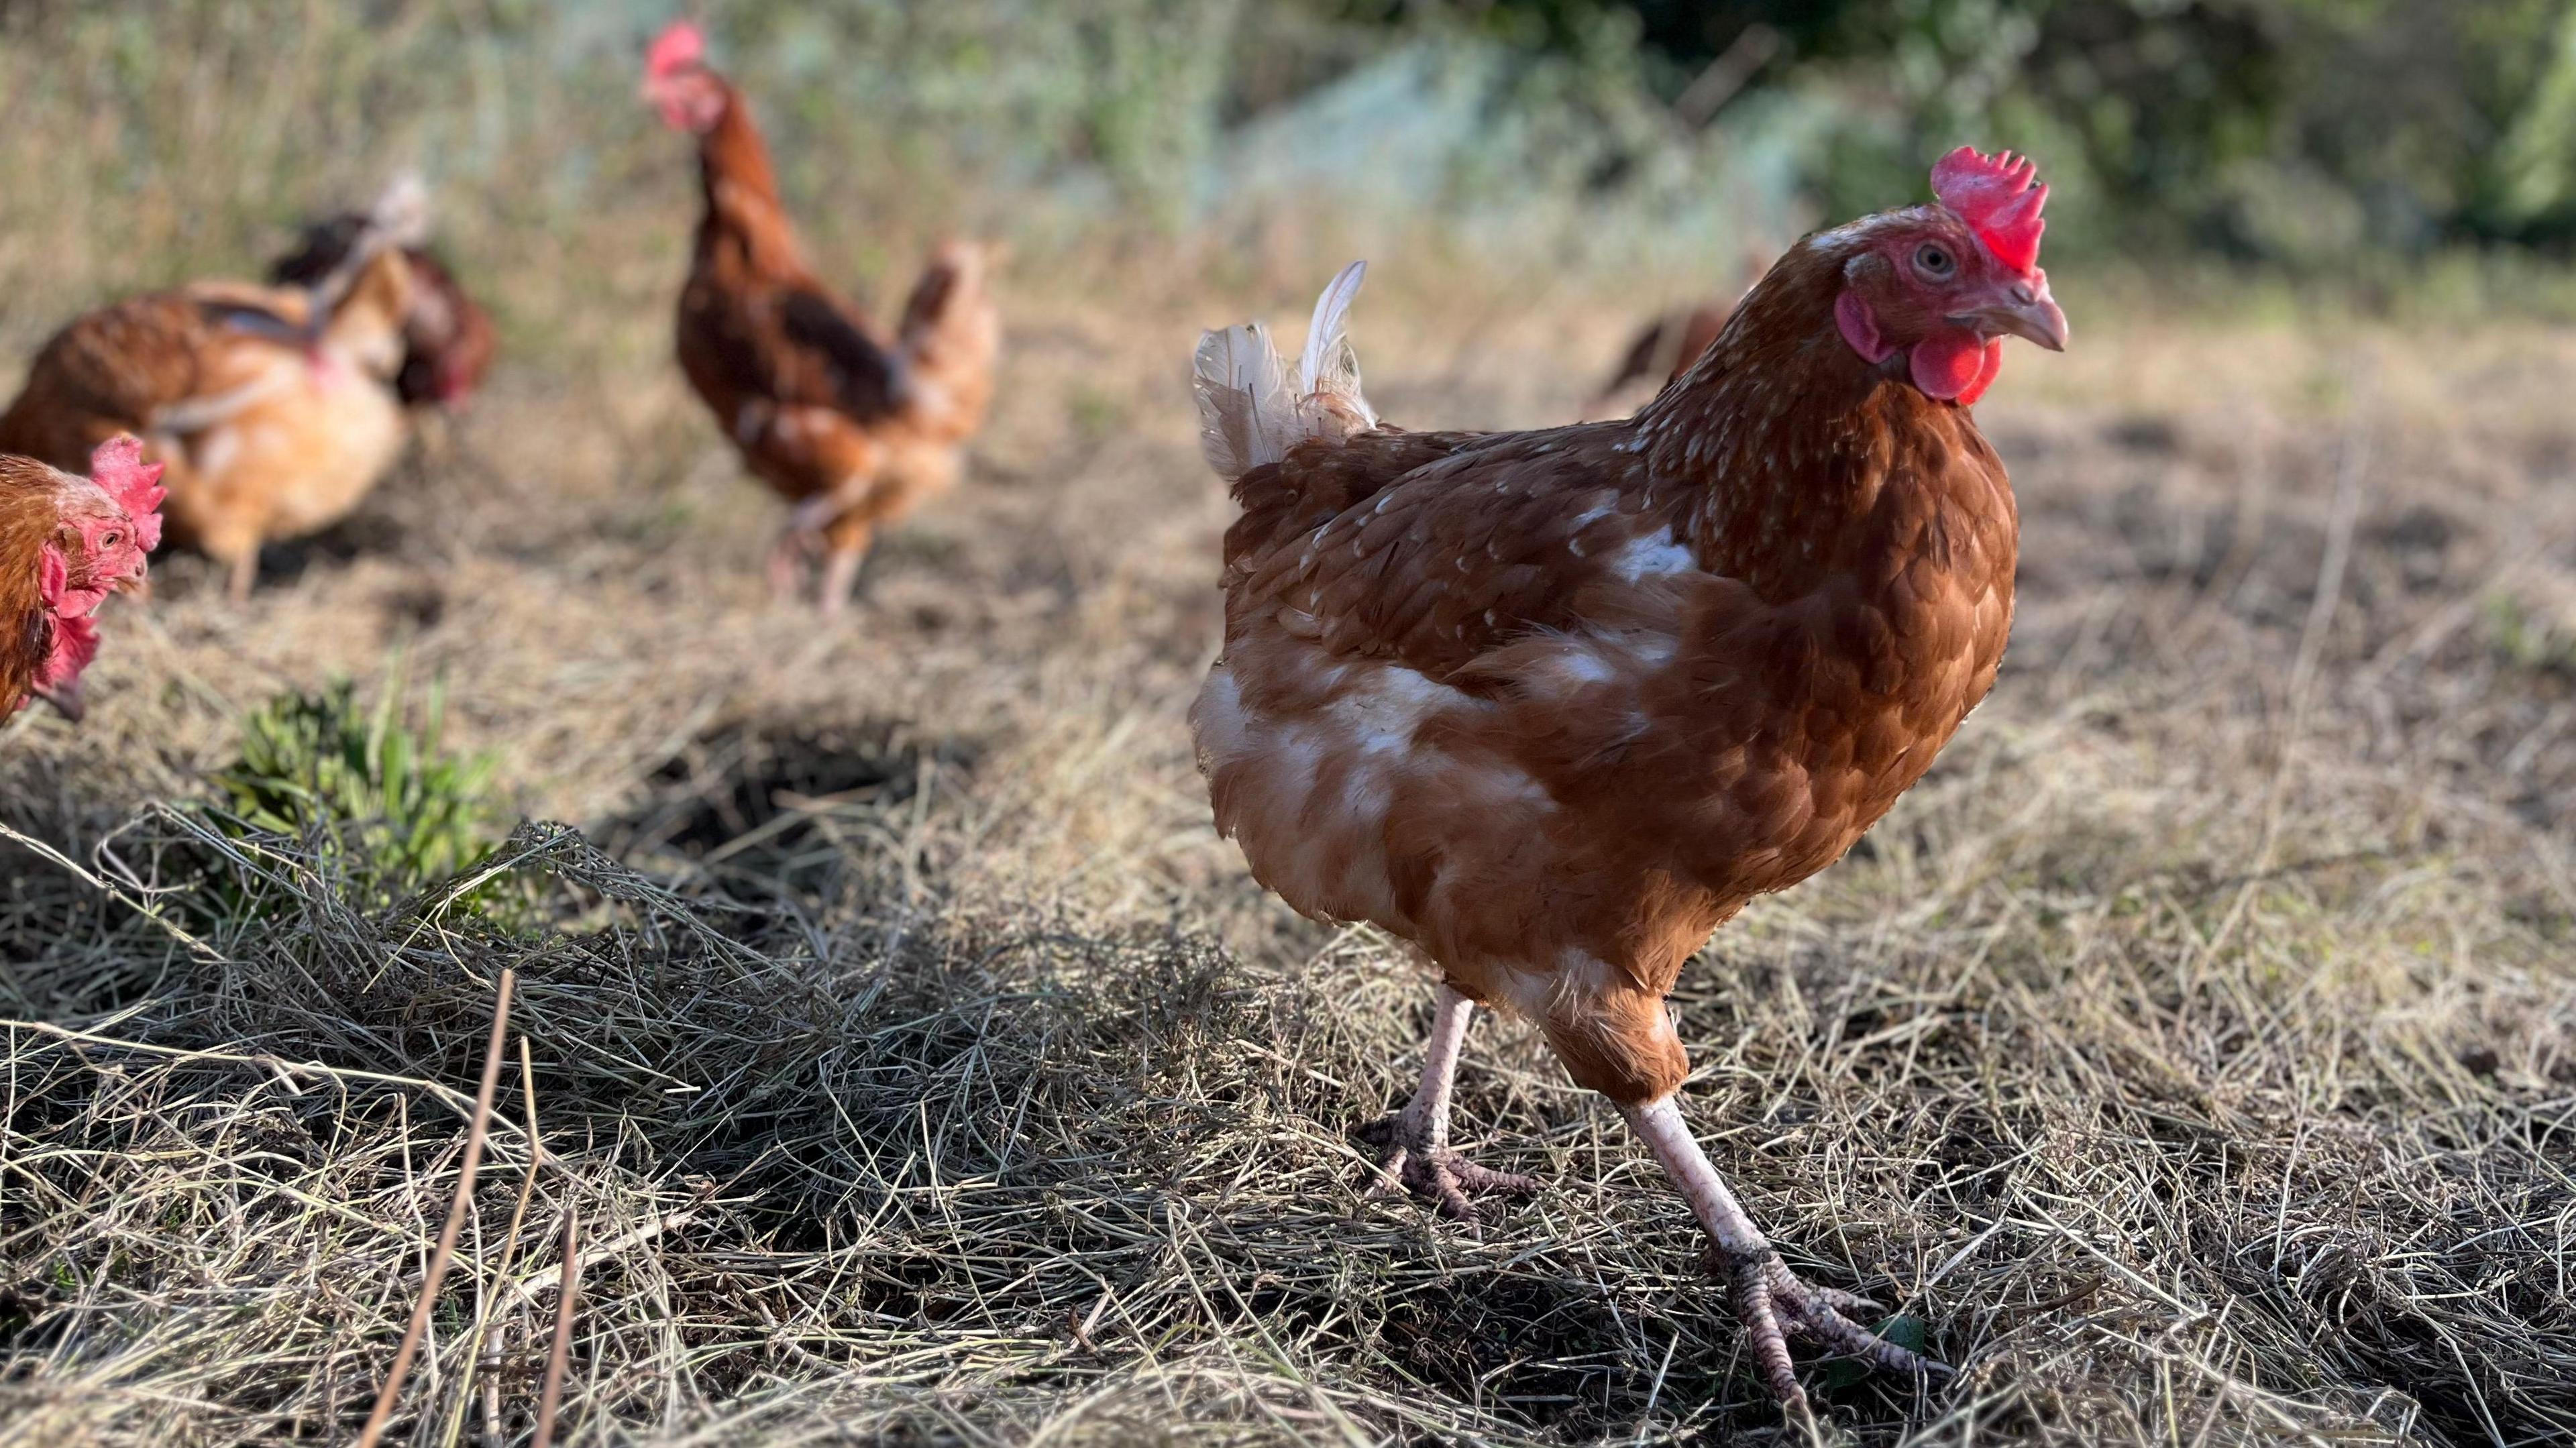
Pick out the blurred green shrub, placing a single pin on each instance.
(387, 806)
(185, 137)
(2297, 131)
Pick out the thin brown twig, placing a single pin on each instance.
(446, 1253)
(491, 1325)
(560, 1356)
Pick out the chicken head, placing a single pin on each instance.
(677, 81)
(1938, 288)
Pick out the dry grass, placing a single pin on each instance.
(2192, 1052)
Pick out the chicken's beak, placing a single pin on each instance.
(2023, 308)
(66, 699)
(657, 94)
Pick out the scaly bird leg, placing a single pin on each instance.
(786, 566)
(1772, 1301)
(841, 571)
(242, 574)
(1418, 1155)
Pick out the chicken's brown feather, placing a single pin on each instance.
(448, 337)
(259, 443)
(27, 521)
(1554, 705)
(1493, 538)
(821, 404)
(108, 372)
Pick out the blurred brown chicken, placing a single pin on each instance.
(853, 427)
(448, 339)
(1672, 342)
(273, 407)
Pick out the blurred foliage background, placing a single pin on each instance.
(2308, 138)
(2296, 131)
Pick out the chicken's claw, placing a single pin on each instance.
(1441, 1176)
(1775, 1304)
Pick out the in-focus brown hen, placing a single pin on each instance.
(1552, 706)
(853, 427)
(66, 543)
(272, 407)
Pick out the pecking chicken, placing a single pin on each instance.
(1671, 343)
(448, 339)
(852, 427)
(1553, 706)
(272, 407)
(66, 543)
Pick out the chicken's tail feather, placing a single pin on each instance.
(950, 334)
(1329, 377)
(1245, 417)
(398, 220)
(951, 287)
(400, 216)
(1248, 412)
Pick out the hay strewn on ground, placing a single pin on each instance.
(2192, 1054)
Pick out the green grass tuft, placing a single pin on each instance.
(379, 796)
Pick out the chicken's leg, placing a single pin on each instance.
(241, 557)
(1418, 1155)
(786, 565)
(846, 543)
(1770, 1299)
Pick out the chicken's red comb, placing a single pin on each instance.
(117, 466)
(1999, 196)
(679, 46)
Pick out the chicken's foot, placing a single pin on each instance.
(1773, 1302)
(841, 577)
(787, 565)
(1418, 1157)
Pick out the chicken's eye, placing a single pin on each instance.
(110, 538)
(1934, 260)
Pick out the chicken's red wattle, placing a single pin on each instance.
(1956, 366)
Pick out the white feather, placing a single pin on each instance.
(400, 216)
(1329, 361)
(1248, 414)
(1245, 417)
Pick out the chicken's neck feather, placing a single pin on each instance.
(743, 210)
(29, 517)
(1787, 436)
